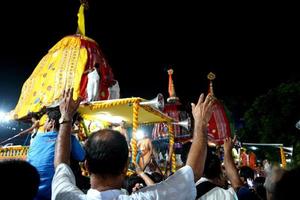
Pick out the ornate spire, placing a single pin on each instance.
(211, 76)
(171, 89)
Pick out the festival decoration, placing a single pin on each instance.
(66, 65)
(218, 126)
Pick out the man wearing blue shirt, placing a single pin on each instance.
(41, 153)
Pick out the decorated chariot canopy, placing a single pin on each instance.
(218, 125)
(76, 61)
(174, 109)
(118, 110)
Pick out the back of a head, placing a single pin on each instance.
(19, 179)
(287, 186)
(246, 172)
(106, 153)
(271, 180)
(156, 177)
(131, 181)
(259, 187)
(212, 168)
(35, 116)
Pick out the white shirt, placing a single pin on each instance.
(179, 186)
(217, 193)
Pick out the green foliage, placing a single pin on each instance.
(272, 118)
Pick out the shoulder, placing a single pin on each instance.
(179, 186)
(220, 193)
(63, 184)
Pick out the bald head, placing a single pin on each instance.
(106, 153)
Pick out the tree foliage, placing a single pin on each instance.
(272, 117)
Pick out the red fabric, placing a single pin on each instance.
(172, 110)
(160, 130)
(106, 75)
(252, 160)
(244, 159)
(218, 125)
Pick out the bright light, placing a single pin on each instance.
(4, 118)
(253, 148)
(140, 134)
(109, 118)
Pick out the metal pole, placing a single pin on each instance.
(261, 144)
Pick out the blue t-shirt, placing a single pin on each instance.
(41, 156)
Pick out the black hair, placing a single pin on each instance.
(287, 187)
(185, 151)
(259, 187)
(156, 177)
(35, 115)
(54, 114)
(212, 168)
(246, 172)
(130, 182)
(106, 153)
(19, 179)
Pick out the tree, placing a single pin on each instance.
(272, 118)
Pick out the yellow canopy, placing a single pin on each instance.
(61, 68)
(117, 110)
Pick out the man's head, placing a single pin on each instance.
(106, 153)
(34, 117)
(52, 122)
(287, 186)
(246, 173)
(19, 179)
(213, 168)
(271, 180)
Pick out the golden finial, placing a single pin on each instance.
(211, 76)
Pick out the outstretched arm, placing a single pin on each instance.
(230, 168)
(29, 130)
(144, 176)
(67, 107)
(201, 113)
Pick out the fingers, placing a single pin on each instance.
(234, 139)
(200, 100)
(193, 106)
(67, 94)
(64, 94)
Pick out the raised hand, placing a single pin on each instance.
(203, 110)
(228, 143)
(68, 105)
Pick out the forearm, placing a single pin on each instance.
(231, 170)
(146, 178)
(197, 154)
(27, 131)
(63, 145)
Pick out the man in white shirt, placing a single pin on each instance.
(211, 186)
(107, 161)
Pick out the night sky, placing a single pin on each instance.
(250, 48)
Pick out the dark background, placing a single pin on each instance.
(250, 48)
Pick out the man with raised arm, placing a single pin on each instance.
(107, 161)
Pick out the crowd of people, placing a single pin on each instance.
(50, 172)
